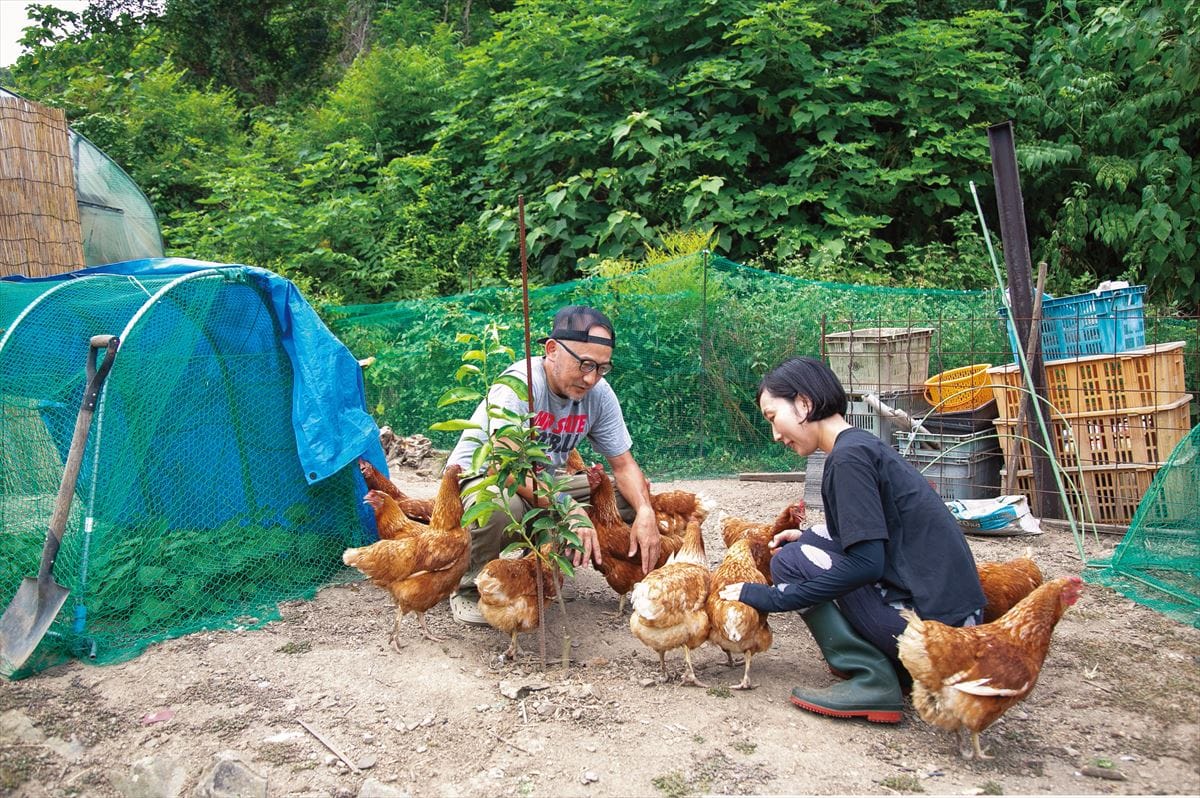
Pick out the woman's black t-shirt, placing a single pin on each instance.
(871, 493)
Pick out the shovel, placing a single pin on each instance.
(38, 601)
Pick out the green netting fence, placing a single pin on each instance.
(693, 338)
(191, 509)
(1158, 561)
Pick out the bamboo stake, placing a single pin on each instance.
(537, 571)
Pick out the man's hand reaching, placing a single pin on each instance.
(645, 537)
(587, 536)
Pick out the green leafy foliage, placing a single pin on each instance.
(792, 125)
(509, 456)
(339, 224)
(152, 581)
(263, 51)
(960, 264)
(388, 96)
(409, 21)
(145, 590)
(1111, 98)
(384, 145)
(139, 108)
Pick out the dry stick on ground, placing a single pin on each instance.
(510, 743)
(330, 746)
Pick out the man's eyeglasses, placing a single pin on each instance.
(586, 365)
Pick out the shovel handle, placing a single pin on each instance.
(83, 423)
(95, 377)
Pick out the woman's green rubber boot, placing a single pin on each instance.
(871, 689)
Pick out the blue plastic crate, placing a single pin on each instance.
(1089, 324)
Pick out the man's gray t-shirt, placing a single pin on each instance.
(561, 422)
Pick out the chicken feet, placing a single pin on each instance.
(620, 610)
(689, 676)
(966, 750)
(425, 629)
(745, 683)
(394, 635)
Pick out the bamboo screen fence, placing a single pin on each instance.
(39, 216)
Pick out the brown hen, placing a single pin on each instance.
(1006, 583)
(620, 570)
(965, 678)
(422, 569)
(417, 509)
(574, 464)
(668, 605)
(734, 529)
(674, 509)
(791, 517)
(732, 625)
(508, 596)
(390, 520)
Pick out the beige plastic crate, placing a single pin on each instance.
(1138, 436)
(879, 359)
(1146, 377)
(1099, 494)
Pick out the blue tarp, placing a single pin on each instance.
(329, 417)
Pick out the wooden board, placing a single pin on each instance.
(772, 476)
(1115, 530)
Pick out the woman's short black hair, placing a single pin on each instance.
(810, 378)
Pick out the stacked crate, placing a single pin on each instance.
(957, 452)
(957, 465)
(1113, 416)
(880, 360)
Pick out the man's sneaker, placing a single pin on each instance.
(465, 609)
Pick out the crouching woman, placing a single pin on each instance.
(888, 543)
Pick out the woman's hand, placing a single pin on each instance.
(786, 536)
(732, 592)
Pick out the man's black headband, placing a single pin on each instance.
(578, 335)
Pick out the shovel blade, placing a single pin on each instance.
(26, 620)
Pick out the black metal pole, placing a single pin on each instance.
(1015, 239)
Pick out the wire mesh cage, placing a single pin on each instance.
(191, 509)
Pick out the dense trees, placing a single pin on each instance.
(375, 148)
(1114, 96)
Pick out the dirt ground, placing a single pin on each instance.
(1118, 698)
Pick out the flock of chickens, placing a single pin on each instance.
(963, 678)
